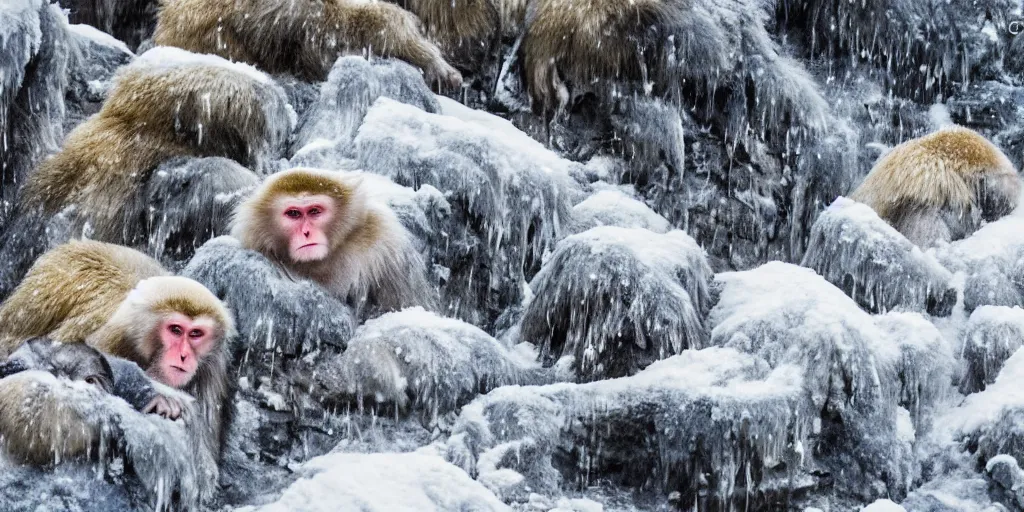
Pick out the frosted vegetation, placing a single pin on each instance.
(654, 295)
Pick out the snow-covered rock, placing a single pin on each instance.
(789, 316)
(712, 425)
(618, 299)
(34, 62)
(327, 128)
(855, 250)
(382, 482)
(992, 261)
(509, 203)
(992, 335)
(614, 208)
(415, 359)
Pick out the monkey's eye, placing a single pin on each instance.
(176, 330)
(293, 213)
(315, 211)
(195, 333)
(92, 379)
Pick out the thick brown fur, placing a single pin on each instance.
(464, 29)
(71, 291)
(153, 113)
(939, 186)
(574, 42)
(112, 298)
(301, 37)
(370, 258)
(37, 427)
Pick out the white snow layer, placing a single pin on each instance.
(382, 482)
(166, 57)
(613, 208)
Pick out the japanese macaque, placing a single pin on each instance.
(301, 37)
(59, 433)
(466, 30)
(941, 186)
(124, 304)
(567, 44)
(167, 103)
(321, 225)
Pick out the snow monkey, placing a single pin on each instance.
(124, 304)
(61, 434)
(167, 103)
(301, 37)
(321, 225)
(940, 186)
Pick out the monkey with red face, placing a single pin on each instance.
(322, 226)
(124, 304)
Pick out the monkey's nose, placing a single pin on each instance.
(183, 358)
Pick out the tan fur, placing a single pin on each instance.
(36, 428)
(370, 252)
(112, 298)
(71, 291)
(944, 171)
(582, 41)
(458, 25)
(303, 37)
(106, 159)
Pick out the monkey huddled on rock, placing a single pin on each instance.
(941, 186)
(124, 304)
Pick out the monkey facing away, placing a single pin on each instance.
(43, 443)
(301, 37)
(167, 103)
(941, 186)
(320, 225)
(124, 304)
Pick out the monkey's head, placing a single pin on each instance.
(73, 361)
(172, 326)
(299, 215)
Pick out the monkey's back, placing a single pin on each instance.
(941, 170)
(36, 426)
(72, 290)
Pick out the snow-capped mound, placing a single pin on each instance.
(618, 299)
(614, 208)
(275, 314)
(382, 482)
(34, 66)
(179, 219)
(162, 455)
(991, 422)
(711, 424)
(788, 315)
(854, 249)
(992, 260)
(415, 359)
(923, 362)
(353, 85)
(992, 335)
(508, 205)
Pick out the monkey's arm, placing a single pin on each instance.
(272, 310)
(135, 387)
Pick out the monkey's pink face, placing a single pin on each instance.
(184, 342)
(304, 220)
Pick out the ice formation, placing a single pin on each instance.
(744, 424)
(509, 207)
(618, 299)
(381, 482)
(857, 251)
(992, 335)
(417, 360)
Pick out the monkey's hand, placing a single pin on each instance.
(444, 75)
(166, 406)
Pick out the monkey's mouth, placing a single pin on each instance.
(307, 246)
(180, 369)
